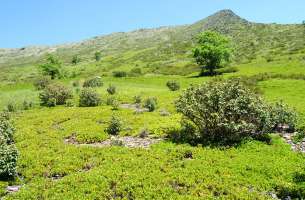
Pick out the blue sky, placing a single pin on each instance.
(42, 22)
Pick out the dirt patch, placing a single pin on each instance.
(127, 141)
(136, 107)
(300, 147)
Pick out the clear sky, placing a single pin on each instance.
(47, 22)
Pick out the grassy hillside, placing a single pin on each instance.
(165, 50)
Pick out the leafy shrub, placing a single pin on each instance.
(119, 74)
(55, 94)
(8, 160)
(115, 126)
(89, 98)
(42, 82)
(11, 106)
(282, 115)
(173, 85)
(137, 99)
(112, 101)
(93, 82)
(111, 89)
(150, 104)
(26, 105)
(8, 151)
(225, 112)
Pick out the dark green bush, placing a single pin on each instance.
(150, 103)
(119, 74)
(225, 112)
(55, 94)
(42, 82)
(173, 85)
(11, 106)
(111, 89)
(89, 98)
(115, 126)
(26, 105)
(93, 82)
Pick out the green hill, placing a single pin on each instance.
(167, 50)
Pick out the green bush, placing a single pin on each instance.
(150, 103)
(137, 99)
(11, 106)
(55, 94)
(93, 82)
(115, 126)
(89, 98)
(8, 151)
(111, 89)
(26, 105)
(119, 74)
(282, 115)
(225, 112)
(42, 82)
(173, 85)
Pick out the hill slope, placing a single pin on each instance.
(168, 49)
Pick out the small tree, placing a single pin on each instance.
(115, 126)
(98, 56)
(212, 52)
(75, 60)
(55, 94)
(52, 67)
(89, 98)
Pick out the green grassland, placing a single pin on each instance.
(247, 171)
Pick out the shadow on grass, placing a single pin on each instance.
(182, 137)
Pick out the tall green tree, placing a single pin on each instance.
(98, 56)
(212, 51)
(52, 67)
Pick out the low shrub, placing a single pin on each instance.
(282, 115)
(55, 94)
(26, 105)
(119, 74)
(137, 99)
(150, 103)
(11, 106)
(93, 82)
(111, 89)
(173, 85)
(135, 72)
(115, 126)
(225, 112)
(89, 98)
(42, 82)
